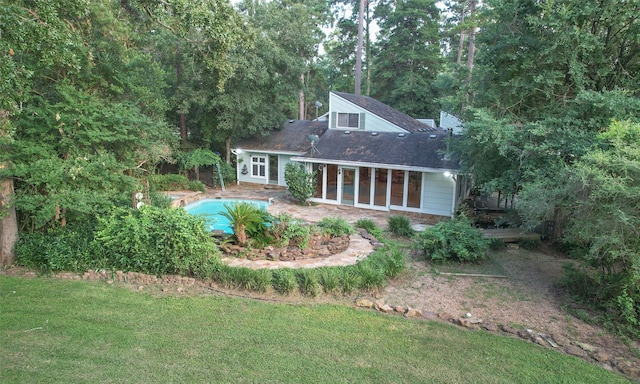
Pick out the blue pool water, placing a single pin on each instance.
(212, 209)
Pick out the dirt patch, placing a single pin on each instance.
(529, 297)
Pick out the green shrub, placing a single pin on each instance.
(371, 277)
(391, 262)
(160, 200)
(400, 226)
(228, 173)
(284, 281)
(453, 240)
(157, 241)
(330, 279)
(336, 226)
(68, 248)
(263, 279)
(168, 182)
(349, 281)
(197, 186)
(369, 226)
(530, 244)
(289, 232)
(309, 282)
(496, 244)
(300, 183)
(247, 220)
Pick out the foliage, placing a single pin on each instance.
(157, 241)
(309, 282)
(300, 183)
(408, 56)
(400, 226)
(370, 226)
(531, 244)
(496, 243)
(329, 279)
(197, 186)
(336, 226)
(61, 249)
(199, 157)
(168, 182)
(601, 219)
(289, 232)
(247, 220)
(453, 240)
(285, 281)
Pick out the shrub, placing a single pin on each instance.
(309, 282)
(288, 232)
(247, 220)
(371, 277)
(69, 248)
(330, 279)
(496, 244)
(336, 226)
(168, 182)
(531, 244)
(454, 239)
(284, 281)
(369, 226)
(300, 183)
(196, 185)
(349, 281)
(400, 226)
(228, 173)
(157, 241)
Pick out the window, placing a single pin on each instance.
(348, 120)
(259, 166)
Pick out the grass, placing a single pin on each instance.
(77, 331)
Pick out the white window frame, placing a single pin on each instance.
(349, 115)
(261, 163)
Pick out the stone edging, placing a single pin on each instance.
(560, 343)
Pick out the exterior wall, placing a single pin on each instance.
(373, 123)
(437, 194)
(449, 121)
(244, 158)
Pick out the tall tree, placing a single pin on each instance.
(409, 56)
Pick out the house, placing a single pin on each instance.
(366, 154)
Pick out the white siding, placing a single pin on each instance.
(449, 121)
(372, 122)
(437, 194)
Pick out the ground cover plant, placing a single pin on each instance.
(453, 240)
(79, 331)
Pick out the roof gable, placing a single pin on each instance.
(385, 112)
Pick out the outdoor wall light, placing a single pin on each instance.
(447, 174)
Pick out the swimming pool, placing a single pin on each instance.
(212, 209)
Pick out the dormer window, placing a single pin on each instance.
(348, 120)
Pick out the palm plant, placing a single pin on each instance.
(245, 218)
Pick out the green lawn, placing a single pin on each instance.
(77, 331)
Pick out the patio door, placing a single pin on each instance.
(273, 169)
(348, 182)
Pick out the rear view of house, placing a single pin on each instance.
(366, 155)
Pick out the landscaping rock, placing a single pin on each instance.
(560, 340)
(602, 357)
(364, 303)
(508, 329)
(491, 327)
(446, 316)
(575, 351)
(412, 313)
(399, 309)
(386, 308)
(587, 347)
(631, 371)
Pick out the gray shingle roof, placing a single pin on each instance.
(292, 137)
(422, 149)
(394, 116)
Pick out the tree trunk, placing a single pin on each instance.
(471, 52)
(8, 223)
(359, 48)
(227, 149)
(181, 114)
(461, 42)
(301, 100)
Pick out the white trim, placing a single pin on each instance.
(262, 167)
(374, 165)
